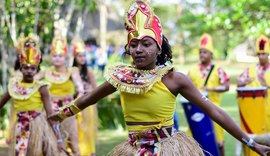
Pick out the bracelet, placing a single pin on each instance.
(68, 110)
(249, 143)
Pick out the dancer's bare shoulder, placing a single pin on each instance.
(175, 81)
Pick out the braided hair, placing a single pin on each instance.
(163, 58)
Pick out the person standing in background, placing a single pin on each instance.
(33, 135)
(91, 48)
(64, 83)
(218, 81)
(87, 119)
(258, 75)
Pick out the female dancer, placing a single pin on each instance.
(33, 135)
(148, 91)
(63, 81)
(87, 125)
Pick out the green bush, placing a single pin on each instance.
(110, 112)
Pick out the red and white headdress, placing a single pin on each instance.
(141, 21)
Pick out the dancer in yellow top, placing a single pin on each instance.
(148, 90)
(87, 119)
(218, 81)
(63, 81)
(33, 135)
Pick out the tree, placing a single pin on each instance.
(231, 22)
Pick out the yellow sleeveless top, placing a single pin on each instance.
(26, 96)
(61, 83)
(156, 105)
(213, 82)
(144, 98)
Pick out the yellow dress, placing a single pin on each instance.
(87, 128)
(62, 90)
(31, 131)
(61, 83)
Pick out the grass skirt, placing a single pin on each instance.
(42, 140)
(178, 144)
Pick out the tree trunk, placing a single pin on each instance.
(36, 17)
(61, 25)
(3, 50)
(3, 62)
(68, 17)
(103, 25)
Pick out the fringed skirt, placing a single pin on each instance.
(158, 142)
(32, 136)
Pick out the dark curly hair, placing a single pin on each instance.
(166, 52)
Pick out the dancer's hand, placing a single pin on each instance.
(261, 149)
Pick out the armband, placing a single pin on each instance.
(68, 110)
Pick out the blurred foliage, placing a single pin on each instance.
(110, 112)
(25, 17)
(230, 22)
(3, 114)
(25, 12)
